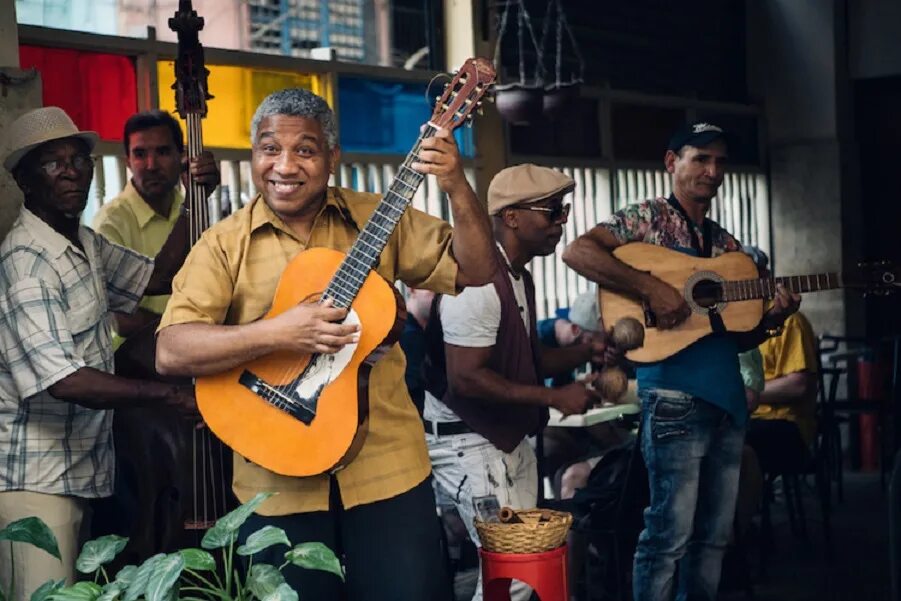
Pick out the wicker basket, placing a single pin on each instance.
(530, 536)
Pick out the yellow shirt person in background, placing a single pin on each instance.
(790, 371)
(141, 217)
(782, 428)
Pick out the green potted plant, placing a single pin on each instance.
(187, 574)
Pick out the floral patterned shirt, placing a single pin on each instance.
(656, 221)
(709, 368)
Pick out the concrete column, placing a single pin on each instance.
(19, 92)
(798, 71)
(466, 37)
(9, 34)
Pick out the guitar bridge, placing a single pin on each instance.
(281, 397)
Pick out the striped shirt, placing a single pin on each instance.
(55, 318)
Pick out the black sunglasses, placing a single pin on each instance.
(556, 214)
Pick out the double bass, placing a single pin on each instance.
(175, 475)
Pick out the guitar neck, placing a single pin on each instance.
(348, 279)
(764, 288)
(195, 195)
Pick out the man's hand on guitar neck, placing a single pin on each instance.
(440, 156)
(785, 303)
(314, 328)
(668, 305)
(204, 170)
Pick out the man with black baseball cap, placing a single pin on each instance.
(693, 403)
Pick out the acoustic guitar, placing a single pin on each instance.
(301, 415)
(724, 293)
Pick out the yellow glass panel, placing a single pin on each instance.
(237, 91)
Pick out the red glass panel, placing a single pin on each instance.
(97, 90)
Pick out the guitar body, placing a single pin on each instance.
(684, 273)
(274, 438)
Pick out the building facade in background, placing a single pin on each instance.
(355, 30)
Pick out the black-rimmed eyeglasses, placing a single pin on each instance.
(556, 214)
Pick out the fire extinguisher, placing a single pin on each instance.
(871, 386)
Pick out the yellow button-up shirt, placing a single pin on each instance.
(230, 278)
(793, 350)
(129, 221)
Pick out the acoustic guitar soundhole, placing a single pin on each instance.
(707, 293)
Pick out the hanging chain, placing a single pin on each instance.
(523, 22)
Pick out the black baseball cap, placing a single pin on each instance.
(700, 134)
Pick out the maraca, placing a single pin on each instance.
(627, 334)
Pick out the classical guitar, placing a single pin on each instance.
(724, 293)
(301, 415)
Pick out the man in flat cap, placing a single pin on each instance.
(694, 410)
(495, 365)
(59, 284)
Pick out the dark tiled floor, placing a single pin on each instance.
(800, 570)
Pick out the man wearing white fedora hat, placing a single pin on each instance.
(59, 284)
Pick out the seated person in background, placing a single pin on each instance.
(783, 426)
(576, 451)
(559, 332)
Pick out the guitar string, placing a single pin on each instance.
(206, 506)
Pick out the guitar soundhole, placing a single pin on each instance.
(707, 293)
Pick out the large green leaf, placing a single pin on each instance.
(225, 530)
(282, 593)
(264, 579)
(99, 551)
(126, 575)
(34, 531)
(80, 591)
(166, 574)
(315, 556)
(46, 589)
(139, 582)
(111, 591)
(198, 560)
(264, 538)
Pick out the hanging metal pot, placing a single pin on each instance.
(520, 100)
(561, 95)
(558, 99)
(519, 104)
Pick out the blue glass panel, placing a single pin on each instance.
(383, 117)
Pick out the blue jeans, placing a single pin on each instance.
(693, 453)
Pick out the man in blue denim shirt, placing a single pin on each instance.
(693, 403)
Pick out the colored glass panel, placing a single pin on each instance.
(237, 91)
(384, 117)
(97, 90)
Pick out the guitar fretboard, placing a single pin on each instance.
(739, 290)
(348, 279)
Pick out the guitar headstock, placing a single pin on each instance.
(462, 95)
(879, 278)
(190, 84)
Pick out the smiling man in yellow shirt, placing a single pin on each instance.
(379, 511)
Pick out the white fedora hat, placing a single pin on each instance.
(39, 127)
